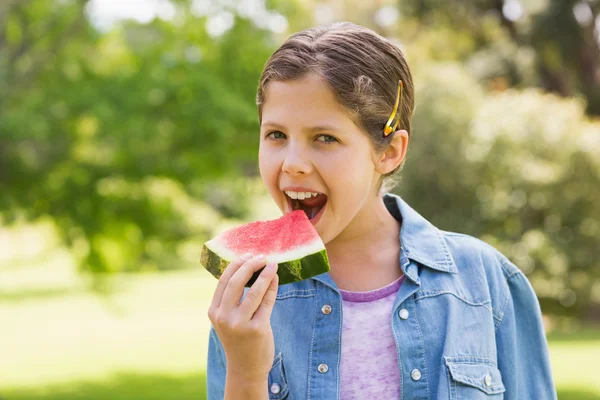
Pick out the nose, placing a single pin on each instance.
(296, 162)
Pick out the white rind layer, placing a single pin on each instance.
(293, 254)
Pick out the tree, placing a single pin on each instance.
(561, 34)
(116, 135)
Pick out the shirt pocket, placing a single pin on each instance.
(278, 387)
(474, 378)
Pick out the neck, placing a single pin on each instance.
(365, 255)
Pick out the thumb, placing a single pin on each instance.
(265, 309)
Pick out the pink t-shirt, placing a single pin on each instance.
(369, 366)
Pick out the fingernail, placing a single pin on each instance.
(271, 265)
(246, 256)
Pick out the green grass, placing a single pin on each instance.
(573, 358)
(122, 385)
(146, 341)
(149, 341)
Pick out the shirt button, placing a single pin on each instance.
(275, 388)
(415, 374)
(326, 309)
(487, 380)
(403, 313)
(323, 368)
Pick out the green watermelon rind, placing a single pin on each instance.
(289, 271)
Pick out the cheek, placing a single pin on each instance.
(263, 161)
(346, 172)
(268, 167)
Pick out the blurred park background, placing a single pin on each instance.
(128, 137)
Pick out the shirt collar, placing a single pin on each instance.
(419, 239)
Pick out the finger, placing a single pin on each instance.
(237, 283)
(224, 279)
(265, 309)
(257, 291)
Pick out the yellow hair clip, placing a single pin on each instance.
(398, 106)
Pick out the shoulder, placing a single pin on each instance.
(444, 250)
(470, 252)
(482, 267)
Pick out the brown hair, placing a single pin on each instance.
(361, 68)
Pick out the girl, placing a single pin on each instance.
(407, 311)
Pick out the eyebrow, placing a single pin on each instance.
(310, 129)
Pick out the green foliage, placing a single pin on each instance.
(552, 44)
(110, 133)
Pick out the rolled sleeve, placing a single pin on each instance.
(523, 356)
(215, 368)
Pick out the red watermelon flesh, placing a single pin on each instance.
(290, 240)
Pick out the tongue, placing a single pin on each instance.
(313, 205)
(314, 201)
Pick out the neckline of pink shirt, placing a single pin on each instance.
(372, 295)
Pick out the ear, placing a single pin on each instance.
(395, 153)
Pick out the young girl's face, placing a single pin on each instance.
(307, 141)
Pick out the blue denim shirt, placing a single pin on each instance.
(466, 322)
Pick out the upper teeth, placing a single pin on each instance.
(301, 195)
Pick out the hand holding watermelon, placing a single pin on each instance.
(290, 240)
(244, 327)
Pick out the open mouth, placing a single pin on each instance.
(311, 207)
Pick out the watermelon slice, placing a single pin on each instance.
(291, 241)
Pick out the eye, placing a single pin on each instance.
(275, 133)
(330, 139)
